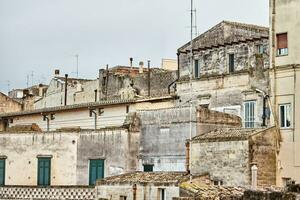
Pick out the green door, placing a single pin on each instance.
(2, 171)
(44, 171)
(96, 170)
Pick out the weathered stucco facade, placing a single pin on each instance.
(230, 61)
(70, 153)
(285, 85)
(164, 133)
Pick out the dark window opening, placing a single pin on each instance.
(148, 168)
(282, 44)
(127, 109)
(196, 69)
(231, 63)
(123, 197)
(162, 194)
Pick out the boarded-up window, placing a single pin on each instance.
(282, 44)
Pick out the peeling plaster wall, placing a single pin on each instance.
(70, 154)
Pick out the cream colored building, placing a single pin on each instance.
(285, 84)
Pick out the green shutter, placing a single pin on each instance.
(2, 171)
(96, 171)
(44, 171)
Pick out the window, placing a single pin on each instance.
(231, 63)
(2, 171)
(249, 109)
(285, 115)
(44, 171)
(96, 170)
(260, 49)
(282, 44)
(123, 197)
(162, 194)
(127, 109)
(148, 168)
(197, 69)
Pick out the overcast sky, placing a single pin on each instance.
(41, 35)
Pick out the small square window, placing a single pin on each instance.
(148, 168)
(285, 115)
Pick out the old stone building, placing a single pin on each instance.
(164, 133)
(228, 155)
(116, 83)
(230, 61)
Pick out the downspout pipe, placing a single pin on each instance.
(66, 88)
(95, 118)
(149, 79)
(134, 189)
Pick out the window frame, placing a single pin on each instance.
(91, 183)
(231, 63)
(285, 105)
(40, 159)
(2, 159)
(162, 193)
(282, 51)
(196, 66)
(249, 121)
(148, 165)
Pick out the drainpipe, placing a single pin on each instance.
(264, 116)
(187, 157)
(95, 117)
(96, 95)
(178, 60)
(66, 88)
(46, 118)
(131, 61)
(149, 81)
(106, 84)
(134, 188)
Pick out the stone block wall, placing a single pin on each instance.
(224, 161)
(262, 150)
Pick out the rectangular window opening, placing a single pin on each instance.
(96, 170)
(249, 114)
(282, 44)
(2, 172)
(44, 171)
(285, 115)
(196, 69)
(231, 63)
(162, 194)
(148, 168)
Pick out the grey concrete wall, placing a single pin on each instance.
(163, 136)
(224, 161)
(117, 147)
(70, 153)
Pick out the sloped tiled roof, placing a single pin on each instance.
(227, 32)
(226, 134)
(206, 191)
(145, 177)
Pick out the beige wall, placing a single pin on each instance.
(70, 153)
(169, 64)
(285, 85)
(144, 191)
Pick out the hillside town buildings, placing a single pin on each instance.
(130, 133)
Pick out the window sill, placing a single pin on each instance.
(278, 56)
(286, 129)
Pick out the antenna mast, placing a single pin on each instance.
(77, 68)
(191, 76)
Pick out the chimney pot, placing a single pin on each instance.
(141, 69)
(56, 72)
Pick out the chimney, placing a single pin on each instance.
(66, 88)
(254, 176)
(56, 73)
(141, 68)
(131, 61)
